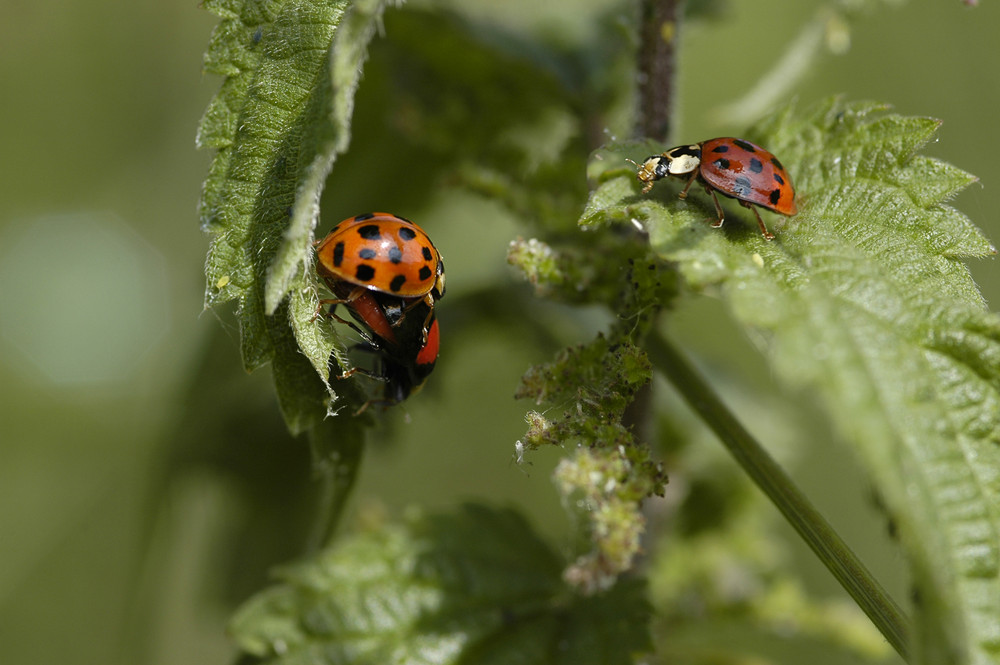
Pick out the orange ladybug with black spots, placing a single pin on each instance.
(381, 252)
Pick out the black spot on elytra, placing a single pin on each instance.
(775, 196)
(749, 147)
(425, 273)
(742, 187)
(361, 218)
(338, 254)
(721, 148)
(395, 254)
(367, 254)
(397, 283)
(407, 233)
(755, 165)
(426, 251)
(721, 163)
(364, 273)
(777, 164)
(369, 232)
(778, 179)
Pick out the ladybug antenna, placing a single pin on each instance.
(631, 162)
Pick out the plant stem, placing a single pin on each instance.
(658, 30)
(779, 488)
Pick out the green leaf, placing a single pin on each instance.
(278, 123)
(862, 297)
(477, 586)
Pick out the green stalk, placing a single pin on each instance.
(657, 64)
(779, 488)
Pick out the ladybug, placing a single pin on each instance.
(383, 253)
(733, 167)
(405, 369)
(405, 354)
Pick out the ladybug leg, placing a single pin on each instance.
(351, 324)
(684, 192)
(364, 407)
(424, 329)
(760, 222)
(348, 373)
(720, 215)
(426, 300)
(356, 328)
(327, 302)
(353, 295)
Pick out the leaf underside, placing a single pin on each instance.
(278, 123)
(864, 298)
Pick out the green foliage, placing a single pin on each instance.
(863, 298)
(861, 301)
(477, 586)
(278, 123)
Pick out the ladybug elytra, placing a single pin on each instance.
(381, 252)
(733, 167)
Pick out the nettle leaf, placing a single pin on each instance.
(477, 586)
(863, 297)
(278, 123)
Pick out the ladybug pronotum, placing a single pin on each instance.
(733, 167)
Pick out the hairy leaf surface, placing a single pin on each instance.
(864, 298)
(278, 122)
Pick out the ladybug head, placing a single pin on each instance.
(678, 161)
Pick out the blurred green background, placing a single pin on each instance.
(125, 534)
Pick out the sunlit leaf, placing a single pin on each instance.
(863, 297)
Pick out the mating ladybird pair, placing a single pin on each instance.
(388, 274)
(734, 168)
